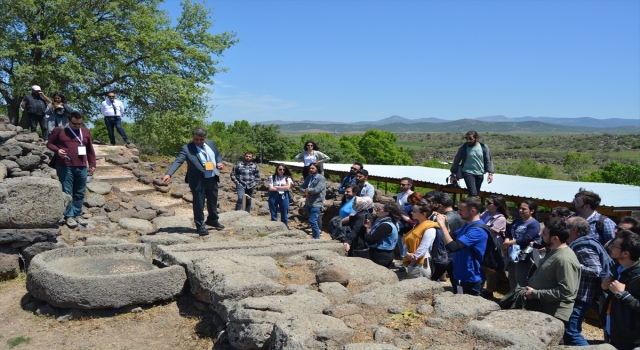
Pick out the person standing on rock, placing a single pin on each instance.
(203, 164)
(246, 175)
(112, 110)
(36, 104)
(472, 161)
(73, 148)
(315, 188)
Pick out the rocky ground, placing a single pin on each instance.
(253, 285)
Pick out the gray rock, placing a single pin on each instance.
(288, 234)
(161, 189)
(166, 239)
(5, 135)
(223, 280)
(383, 335)
(529, 329)
(98, 187)
(402, 343)
(3, 171)
(354, 321)
(107, 276)
(188, 197)
(141, 203)
(20, 174)
(145, 214)
(91, 241)
(30, 137)
(310, 332)
(424, 309)
(400, 294)
(28, 252)
(179, 192)
(333, 273)
(334, 291)
(173, 224)
(436, 322)
(341, 310)
(111, 206)
(9, 261)
(29, 162)
(94, 200)
(462, 305)
(7, 150)
(117, 159)
(28, 235)
(147, 180)
(232, 217)
(361, 271)
(138, 225)
(251, 320)
(9, 164)
(588, 347)
(128, 166)
(31, 202)
(369, 346)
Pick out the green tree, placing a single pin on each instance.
(85, 49)
(574, 164)
(529, 167)
(378, 147)
(434, 163)
(617, 173)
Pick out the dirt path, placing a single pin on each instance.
(172, 325)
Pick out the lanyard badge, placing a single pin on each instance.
(208, 164)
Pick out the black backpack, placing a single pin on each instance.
(493, 261)
(439, 253)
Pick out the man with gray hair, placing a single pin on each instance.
(595, 265)
(203, 164)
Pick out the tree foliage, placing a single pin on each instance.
(529, 167)
(235, 139)
(85, 49)
(378, 147)
(575, 163)
(434, 163)
(616, 173)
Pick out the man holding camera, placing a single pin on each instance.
(35, 104)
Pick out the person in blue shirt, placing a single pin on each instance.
(351, 178)
(339, 225)
(467, 275)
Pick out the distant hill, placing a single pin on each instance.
(461, 125)
(591, 122)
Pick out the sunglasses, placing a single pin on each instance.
(405, 184)
(377, 209)
(281, 169)
(491, 203)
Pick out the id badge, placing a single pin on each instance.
(82, 150)
(208, 166)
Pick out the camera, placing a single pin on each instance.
(524, 253)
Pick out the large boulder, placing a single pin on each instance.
(454, 306)
(102, 276)
(3, 171)
(310, 332)
(31, 202)
(28, 235)
(28, 162)
(98, 187)
(94, 200)
(9, 261)
(361, 271)
(522, 328)
(403, 295)
(139, 225)
(173, 224)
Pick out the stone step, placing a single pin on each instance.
(103, 168)
(114, 178)
(136, 191)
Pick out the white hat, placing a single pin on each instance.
(35, 87)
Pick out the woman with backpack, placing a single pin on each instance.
(417, 242)
(382, 236)
(279, 185)
(495, 217)
(523, 230)
(354, 242)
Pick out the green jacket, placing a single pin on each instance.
(556, 282)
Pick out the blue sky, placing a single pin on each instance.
(367, 60)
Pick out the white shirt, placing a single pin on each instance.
(401, 199)
(210, 156)
(107, 108)
(280, 182)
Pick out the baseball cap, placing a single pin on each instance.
(35, 87)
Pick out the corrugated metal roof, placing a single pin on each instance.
(613, 195)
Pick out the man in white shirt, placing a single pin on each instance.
(406, 183)
(112, 110)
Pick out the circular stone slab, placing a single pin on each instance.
(106, 276)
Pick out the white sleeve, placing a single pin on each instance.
(102, 106)
(121, 108)
(270, 180)
(426, 243)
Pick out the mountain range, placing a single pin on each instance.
(497, 123)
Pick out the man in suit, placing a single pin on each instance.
(203, 164)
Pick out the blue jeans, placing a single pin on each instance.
(116, 122)
(473, 183)
(279, 201)
(241, 191)
(74, 183)
(471, 288)
(573, 330)
(519, 274)
(314, 220)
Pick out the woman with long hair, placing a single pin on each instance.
(311, 154)
(57, 112)
(382, 235)
(495, 217)
(417, 242)
(523, 230)
(279, 185)
(354, 242)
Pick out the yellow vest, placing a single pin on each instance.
(413, 238)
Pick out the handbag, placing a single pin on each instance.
(361, 253)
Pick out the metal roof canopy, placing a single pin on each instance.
(617, 200)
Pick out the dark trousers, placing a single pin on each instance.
(115, 122)
(473, 183)
(42, 121)
(205, 188)
(241, 191)
(437, 270)
(305, 172)
(381, 257)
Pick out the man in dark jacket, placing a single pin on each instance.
(472, 161)
(36, 104)
(622, 306)
(203, 164)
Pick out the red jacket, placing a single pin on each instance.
(70, 144)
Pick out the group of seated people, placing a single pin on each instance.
(564, 283)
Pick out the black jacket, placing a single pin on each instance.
(625, 314)
(355, 237)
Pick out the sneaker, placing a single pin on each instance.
(80, 220)
(402, 269)
(398, 263)
(202, 231)
(71, 222)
